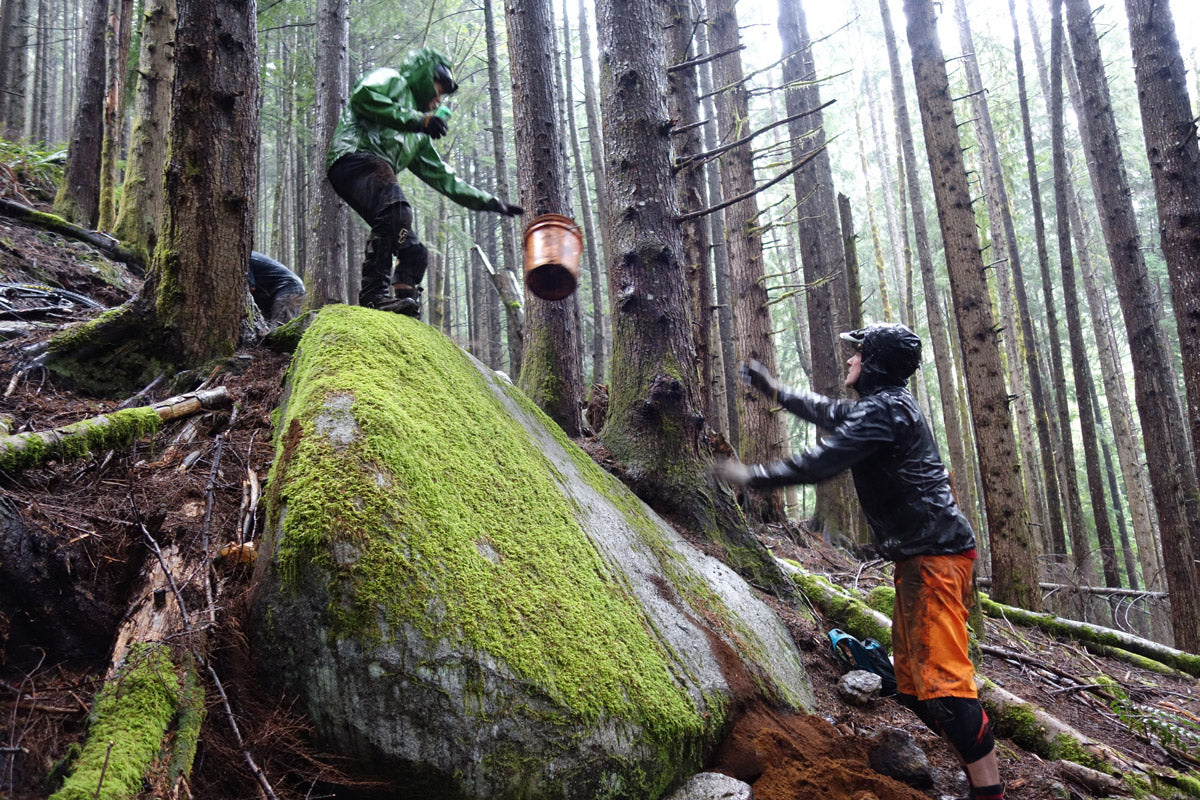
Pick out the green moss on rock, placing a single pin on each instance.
(405, 498)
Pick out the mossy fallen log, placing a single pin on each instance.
(854, 616)
(22, 450)
(149, 710)
(1106, 641)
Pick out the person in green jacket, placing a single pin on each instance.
(388, 126)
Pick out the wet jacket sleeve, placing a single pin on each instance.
(864, 429)
(429, 167)
(824, 412)
(387, 101)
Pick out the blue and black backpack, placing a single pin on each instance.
(852, 653)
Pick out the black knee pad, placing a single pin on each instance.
(963, 722)
(411, 262)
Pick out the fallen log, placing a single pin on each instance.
(119, 428)
(1106, 641)
(853, 615)
(56, 224)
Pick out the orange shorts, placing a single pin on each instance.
(929, 627)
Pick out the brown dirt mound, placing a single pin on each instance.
(788, 756)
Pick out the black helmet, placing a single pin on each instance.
(443, 75)
(890, 352)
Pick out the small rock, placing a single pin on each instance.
(894, 753)
(859, 687)
(712, 786)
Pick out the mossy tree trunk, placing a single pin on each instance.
(655, 426)
(551, 374)
(142, 192)
(190, 309)
(116, 45)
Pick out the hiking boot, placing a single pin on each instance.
(408, 300)
(408, 306)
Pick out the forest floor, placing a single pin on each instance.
(197, 480)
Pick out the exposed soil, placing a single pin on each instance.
(194, 482)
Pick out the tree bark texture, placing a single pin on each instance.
(551, 374)
(198, 280)
(1172, 470)
(142, 192)
(1014, 551)
(655, 423)
(1169, 128)
(325, 270)
(78, 198)
(684, 107)
(14, 72)
(761, 435)
(1006, 257)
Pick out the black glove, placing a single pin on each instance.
(755, 374)
(435, 126)
(507, 209)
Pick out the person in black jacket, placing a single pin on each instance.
(904, 489)
(277, 291)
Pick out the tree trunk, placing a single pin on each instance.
(78, 198)
(655, 428)
(500, 155)
(1007, 260)
(1014, 551)
(594, 270)
(1080, 546)
(684, 107)
(726, 380)
(938, 332)
(761, 436)
(1169, 128)
(821, 251)
(120, 16)
(142, 192)
(881, 281)
(1056, 537)
(1172, 470)
(14, 71)
(551, 374)
(1129, 454)
(325, 271)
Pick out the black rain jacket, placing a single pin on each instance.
(884, 441)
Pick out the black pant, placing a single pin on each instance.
(369, 186)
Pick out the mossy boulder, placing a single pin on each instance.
(462, 600)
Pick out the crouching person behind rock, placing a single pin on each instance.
(277, 291)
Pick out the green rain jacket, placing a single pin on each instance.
(384, 116)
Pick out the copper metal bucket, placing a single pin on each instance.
(553, 245)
